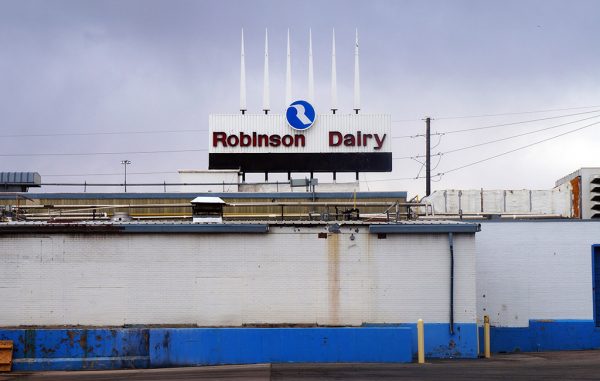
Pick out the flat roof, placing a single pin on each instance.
(104, 227)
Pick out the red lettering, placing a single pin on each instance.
(245, 140)
(335, 138)
(274, 140)
(349, 140)
(287, 140)
(219, 137)
(299, 140)
(233, 140)
(263, 140)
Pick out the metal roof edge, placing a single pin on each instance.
(133, 228)
(196, 228)
(424, 228)
(192, 195)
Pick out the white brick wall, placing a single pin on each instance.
(286, 276)
(535, 270)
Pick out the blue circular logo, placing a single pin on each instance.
(300, 115)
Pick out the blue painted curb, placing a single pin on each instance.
(439, 342)
(216, 346)
(544, 335)
(125, 348)
(76, 349)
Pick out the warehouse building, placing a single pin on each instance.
(353, 289)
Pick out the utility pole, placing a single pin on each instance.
(427, 156)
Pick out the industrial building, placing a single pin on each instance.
(294, 271)
(527, 261)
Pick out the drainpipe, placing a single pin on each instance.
(451, 244)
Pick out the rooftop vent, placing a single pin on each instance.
(19, 181)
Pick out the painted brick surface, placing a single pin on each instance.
(286, 276)
(535, 271)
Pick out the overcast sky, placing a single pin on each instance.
(127, 66)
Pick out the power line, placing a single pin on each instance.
(496, 125)
(100, 153)
(440, 174)
(98, 133)
(518, 148)
(502, 139)
(109, 174)
(500, 114)
(515, 123)
(516, 113)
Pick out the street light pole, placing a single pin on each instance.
(125, 163)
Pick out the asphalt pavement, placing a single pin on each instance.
(573, 365)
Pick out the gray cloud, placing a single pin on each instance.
(155, 65)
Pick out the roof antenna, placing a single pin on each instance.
(356, 77)
(288, 73)
(266, 106)
(311, 76)
(334, 99)
(243, 107)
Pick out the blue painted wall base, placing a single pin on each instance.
(126, 348)
(213, 346)
(77, 349)
(439, 343)
(545, 335)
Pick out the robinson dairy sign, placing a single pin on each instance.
(300, 141)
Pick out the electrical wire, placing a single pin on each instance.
(440, 174)
(515, 113)
(494, 125)
(517, 149)
(100, 153)
(499, 114)
(509, 137)
(109, 174)
(98, 133)
(514, 123)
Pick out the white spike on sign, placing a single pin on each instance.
(288, 74)
(334, 99)
(266, 101)
(311, 76)
(243, 106)
(356, 77)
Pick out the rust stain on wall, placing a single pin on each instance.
(575, 195)
(333, 272)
